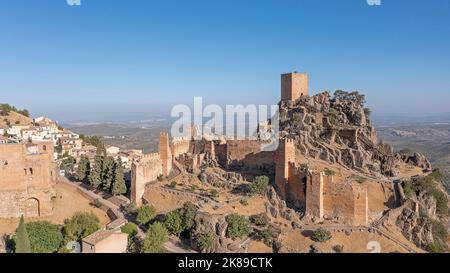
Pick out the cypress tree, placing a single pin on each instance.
(22, 239)
(108, 173)
(95, 177)
(119, 186)
(83, 168)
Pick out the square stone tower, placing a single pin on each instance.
(165, 153)
(293, 86)
(284, 155)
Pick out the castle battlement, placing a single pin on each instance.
(150, 157)
(294, 86)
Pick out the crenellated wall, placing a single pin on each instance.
(165, 153)
(147, 169)
(283, 156)
(180, 147)
(294, 86)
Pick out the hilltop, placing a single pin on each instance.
(10, 115)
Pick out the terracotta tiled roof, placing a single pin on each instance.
(98, 236)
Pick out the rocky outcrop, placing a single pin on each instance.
(277, 207)
(226, 180)
(338, 130)
(418, 160)
(216, 225)
(416, 229)
(428, 205)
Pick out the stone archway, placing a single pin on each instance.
(32, 208)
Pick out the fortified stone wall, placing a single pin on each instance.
(147, 169)
(284, 155)
(180, 147)
(296, 187)
(27, 178)
(326, 199)
(165, 153)
(244, 155)
(314, 196)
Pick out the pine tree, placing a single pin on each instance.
(108, 173)
(119, 186)
(95, 177)
(22, 239)
(83, 169)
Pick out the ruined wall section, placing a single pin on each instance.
(245, 155)
(284, 155)
(326, 199)
(165, 153)
(361, 205)
(28, 175)
(314, 196)
(180, 146)
(296, 186)
(146, 170)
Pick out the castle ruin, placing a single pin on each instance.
(318, 195)
(28, 175)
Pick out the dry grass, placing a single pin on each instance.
(67, 202)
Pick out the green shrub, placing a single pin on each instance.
(174, 222)
(173, 185)
(408, 189)
(259, 185)
(439, 231)
(44, 237)
(145, 215)
(338, 248)
(321, 235)
(188, 213)
(266, 237)
(244, 201)
(238, 226)
(205, 241)
(260, 220)
(81, 225)
(436, 247)
(441, 201)
(329, 172)
(214, 193)
(154, 241)
(333, 116)
(131, 229)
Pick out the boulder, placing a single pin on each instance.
(416, 229)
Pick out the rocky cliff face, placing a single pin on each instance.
(416, 229)
(338, 129)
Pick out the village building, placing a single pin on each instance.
(105, 241)
(112, 151)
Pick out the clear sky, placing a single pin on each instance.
(128, 58)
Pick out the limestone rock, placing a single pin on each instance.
(418, 160)
(206, 223)
(415, 228)
(338, 130)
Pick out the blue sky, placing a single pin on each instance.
(130, 58)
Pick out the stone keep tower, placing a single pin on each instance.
(165, 153)
(293, 86)
(284, 155)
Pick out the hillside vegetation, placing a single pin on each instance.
(10, 115)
